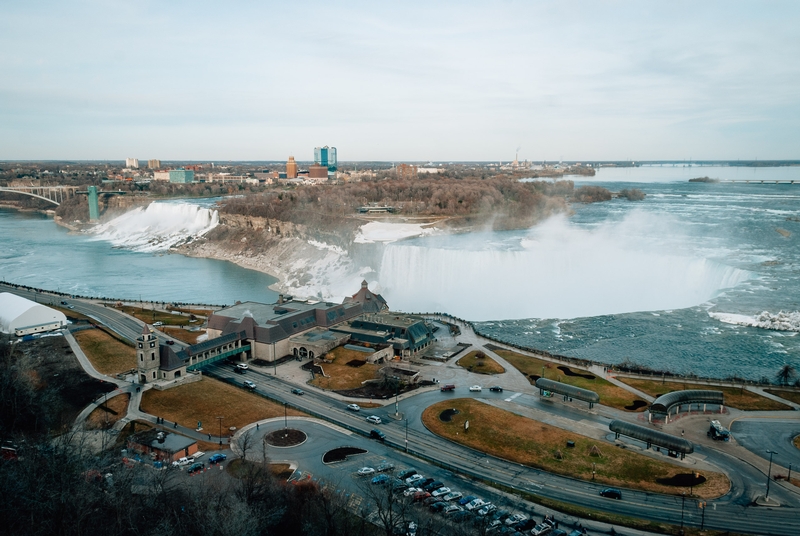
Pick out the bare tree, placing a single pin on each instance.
(786, 374)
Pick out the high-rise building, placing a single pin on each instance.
(291, 168)
(183, 176)
(132, 163)
(326, 156)
(155, 163)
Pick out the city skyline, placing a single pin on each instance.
(461, 82)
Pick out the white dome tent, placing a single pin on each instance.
(20, 316)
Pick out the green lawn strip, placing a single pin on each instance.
(480, 365)
(792, 396)
(535, 444)
(610, 394)
(151, 317)
(735, 397)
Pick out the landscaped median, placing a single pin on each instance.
(610, 394)
(735, 397)
(480, 363)
(521, 440)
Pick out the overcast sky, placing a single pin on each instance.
(258, 80)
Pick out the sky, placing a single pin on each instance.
(395, 81)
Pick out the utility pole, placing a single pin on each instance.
(683, 500)
(285, 417)
(406, 435)
(220, 429)
(702, 506)
(769, 472)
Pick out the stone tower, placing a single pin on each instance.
(147, 356)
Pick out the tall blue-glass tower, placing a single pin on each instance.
(325, 156)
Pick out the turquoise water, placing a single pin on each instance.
(750, 228)
(36, 252)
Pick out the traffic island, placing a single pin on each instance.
(285, 437)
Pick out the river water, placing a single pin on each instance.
(678, 281)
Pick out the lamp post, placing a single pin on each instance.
(285, 418)
(769, 472)
(790, 474)
(220, 429)
(396, 401)
(683, 500)
(406, 435)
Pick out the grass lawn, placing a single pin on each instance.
(150, 316)
(792, 396)
(528, 442)
(343, 376)
(189, 337)
(482, 365)
(797, 441)
(117, 406)
(610, 394)
(735, 397)
(208, 399)
(107, 354)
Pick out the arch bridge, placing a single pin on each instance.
(52, 194)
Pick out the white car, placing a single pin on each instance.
(413, 479)
(243, 366)
(353, 407)
(365, 471)
(452, 496)
(516, 518)
(476, 503)
(411, 491)
(487, 509)
(475, 388)
(440, 492)
(452, 508)
(374, 419)
(249, 385)
(158, 323)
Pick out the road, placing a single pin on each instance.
(729, 513)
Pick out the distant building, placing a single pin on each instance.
(154, 164)
(317, 172)
(370, 302)
(161, 176)
(227, 177)
(291, 168)
(407, 334)
(132, 163)
(161, 445)
(406, 171)
(326, 156)
(429, 170)
(182, 176)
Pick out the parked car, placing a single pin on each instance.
(217, 458)
(385, 466)
(515, 518)
(611, 493)
(410, 492)
(182, 461)
(425, 482)
(475, 503)
(525, 525)
(353, 407)
(438, 506)
(452, 496)
(414, 479)
(380, 479)
(448, 387)
(158, 323)
(399, 485)
(430, 500)
(297, 391)
(452, 509)
(249, 385)
(374, 419)
(421, 496)
(365, 471)
(433, 486)
(558, 532)
(487, 509)
(475, 388)
(196, 467)
(467, 499)
(377, 434)
(441, 492)
(496, 389)
(458, 517)
(545, 527)
(406, 473)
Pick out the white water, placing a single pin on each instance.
(158, 227)
(782, 321)
(556, 270)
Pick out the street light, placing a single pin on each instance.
(406, 435)
(285, 418)
(769, 472)
(683, 500)
(220, 429)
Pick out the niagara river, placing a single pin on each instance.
(697, 278)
